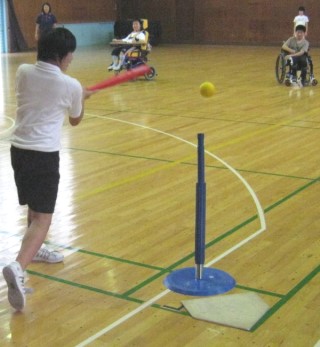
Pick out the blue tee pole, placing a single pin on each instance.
(200, 227)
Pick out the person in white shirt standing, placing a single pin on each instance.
(45, 94)
(301, 19)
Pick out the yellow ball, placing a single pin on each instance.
(207, 89)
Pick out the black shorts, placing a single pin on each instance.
(37, 178)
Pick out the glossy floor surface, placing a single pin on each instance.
(125, 215)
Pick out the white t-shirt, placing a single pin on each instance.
(300, 20)
(44, 96)
(140, 36)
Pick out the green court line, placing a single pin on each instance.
(188, 257)
(152, 171)
(260, 291)
(83, 286)
(185, 163)
(295, 192)
(265, 173)
(231, 231)
(118, 154)
(126, 295)
(101, 255)
(121, 260)
(164, 271)
(145, 283)
(286, 298)
(101, 291)
(216, 240)
(266, 316)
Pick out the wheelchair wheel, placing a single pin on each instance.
(287, 83)
(314, 82)
(280, 68)
(151, 74)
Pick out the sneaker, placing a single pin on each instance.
(14, 277)
(46, 256)
(110, 67)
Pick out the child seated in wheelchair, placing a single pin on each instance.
(124, 47)
(136, 55)
(296, 48)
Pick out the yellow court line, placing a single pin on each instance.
(132, 178)
(146, 173)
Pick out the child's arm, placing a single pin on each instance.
(85, 95)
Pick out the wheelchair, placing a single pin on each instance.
(283, 71)
(138, 55)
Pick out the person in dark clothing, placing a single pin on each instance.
(46, 21)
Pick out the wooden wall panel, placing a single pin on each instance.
(185, 28)
(253, 22)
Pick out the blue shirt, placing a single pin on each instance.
(46, 21)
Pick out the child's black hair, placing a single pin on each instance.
(300, 27)
(56, 44)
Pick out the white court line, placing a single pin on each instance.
(123, 319)
(236, 173)
(148, 303)
(159, 296)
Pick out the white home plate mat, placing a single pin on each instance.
(236, 310)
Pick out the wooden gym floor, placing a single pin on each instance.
(125, 212)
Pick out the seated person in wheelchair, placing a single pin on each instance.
(297, 48)
(136, 38)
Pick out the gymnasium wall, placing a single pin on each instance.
(253, 22)
(80, 15)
